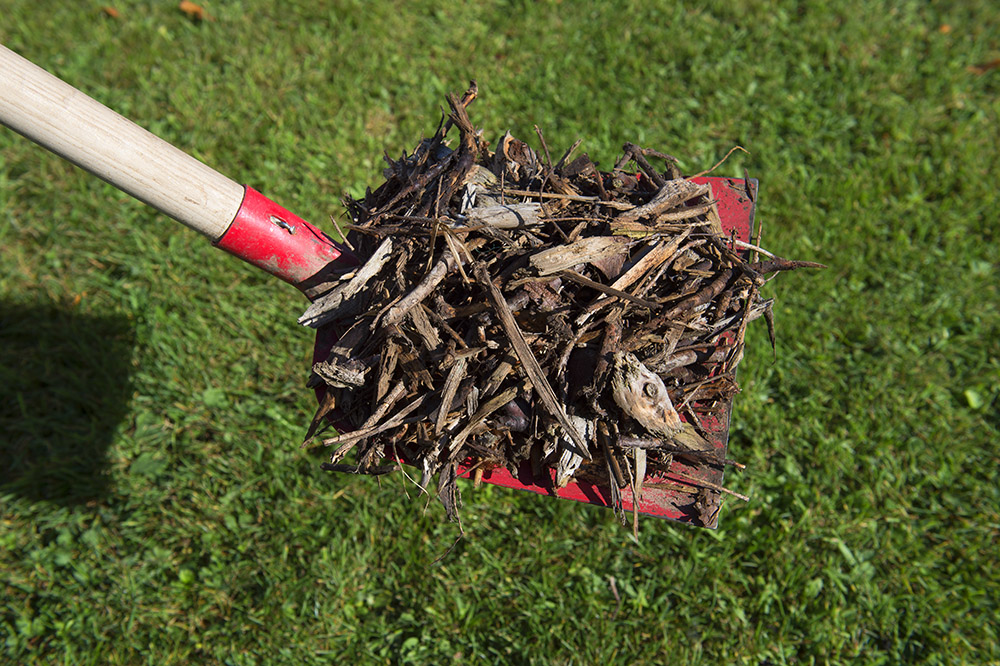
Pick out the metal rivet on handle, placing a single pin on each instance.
(281, 223)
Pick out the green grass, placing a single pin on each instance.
(155, 507)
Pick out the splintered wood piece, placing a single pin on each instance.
(433, 278)
(459, 257)
(568, 462)
(505, 216)
(708, 484)
(528, 361)
(704, 296)
(642, 395)
(386, 368)
(585, 250)
(455, 377)
(640, 160)
(413, 365)
(385, 405)
(340, 376)
(691, 303)
(472, 401)
(656, 255)
(333, 305)
(684, 213)
(672, 193)
(638, 476)
(326, 405)
(714, 219)
(485, 409)
(441, 323)
(614, 469)
(393, 422)
(616, 475)
(396, 313)
(779, 264)
(448, 492)
(428, 335)
(687, 357)
(632, 229)
(619, 205)
(505, 367)
(610, 291)
(342, 368)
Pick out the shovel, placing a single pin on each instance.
(243, 222)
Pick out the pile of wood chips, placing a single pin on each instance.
(514, 308)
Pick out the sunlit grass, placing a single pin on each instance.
(155, 506)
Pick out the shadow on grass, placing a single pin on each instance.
(64, 388)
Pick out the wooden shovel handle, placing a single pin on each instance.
(64, 120)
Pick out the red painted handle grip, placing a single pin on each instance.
(283, 244)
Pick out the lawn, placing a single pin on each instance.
(155, 506)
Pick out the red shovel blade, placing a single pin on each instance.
(673, 496)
